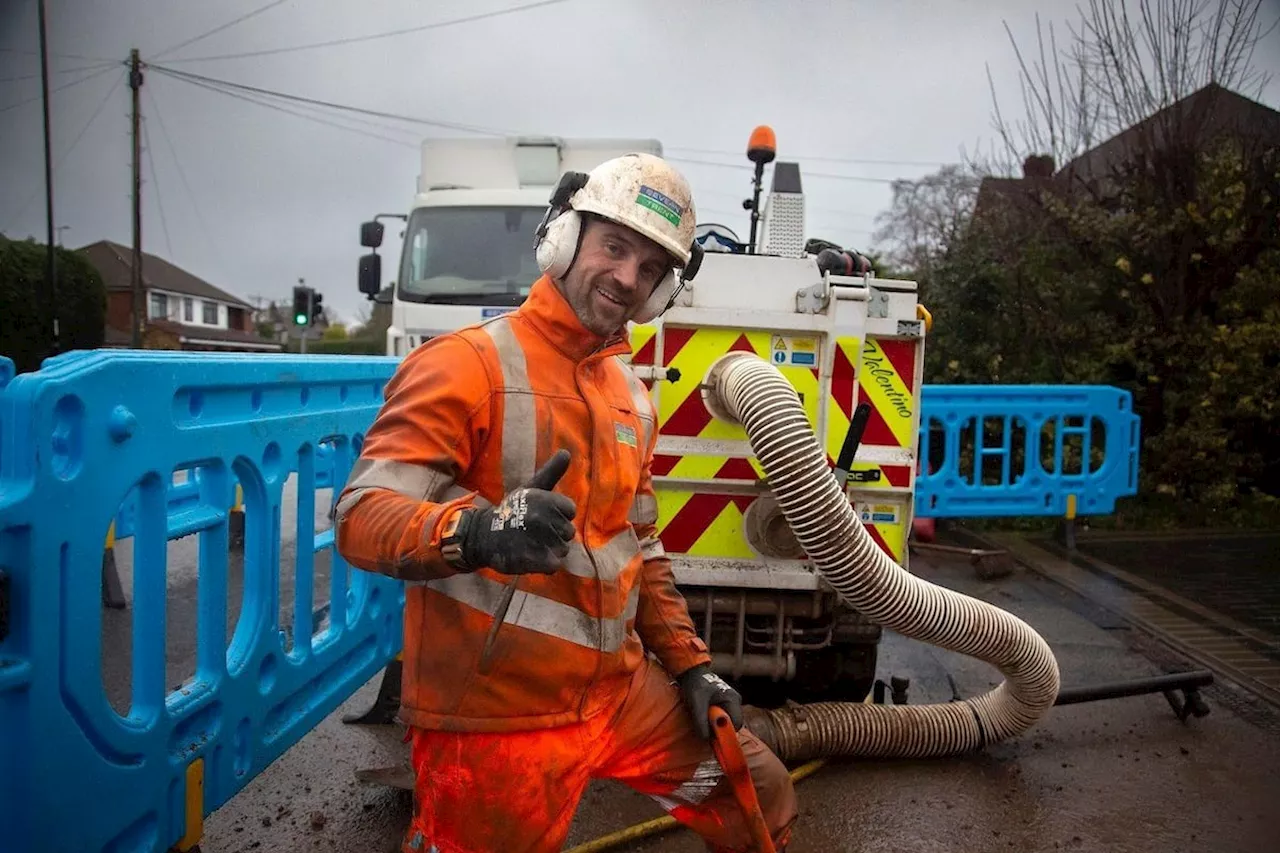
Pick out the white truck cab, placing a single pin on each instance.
(468, 249)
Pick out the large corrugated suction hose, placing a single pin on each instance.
(742, 388)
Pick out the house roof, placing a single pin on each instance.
(114, 264)
(1212, 111)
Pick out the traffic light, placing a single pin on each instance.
(301, 308)
(316, 310)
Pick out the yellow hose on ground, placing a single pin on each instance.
(662, 824)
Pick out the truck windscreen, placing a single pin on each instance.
(471, 255)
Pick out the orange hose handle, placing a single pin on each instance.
(729, 753)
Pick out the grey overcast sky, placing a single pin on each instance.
(252, 198)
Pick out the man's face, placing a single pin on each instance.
(615, 272)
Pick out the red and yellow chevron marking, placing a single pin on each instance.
(891, 538)
(887, 383)
(704, 524)
(642, 346)
(692, 352)
(844, 381)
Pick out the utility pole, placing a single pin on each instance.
(51, 253)
(135, 83)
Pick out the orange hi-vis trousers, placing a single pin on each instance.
(516, 792)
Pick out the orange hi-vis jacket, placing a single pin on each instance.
(468, 417)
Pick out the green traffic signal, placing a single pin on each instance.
(300, 319)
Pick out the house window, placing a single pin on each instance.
(188, 310)
(210, 313)
(159, 306)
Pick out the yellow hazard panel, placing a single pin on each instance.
(886, 520)
(703, 524)
(640, 336)
(888, 382)
(698, 519)
(693, 351)
(843, 395)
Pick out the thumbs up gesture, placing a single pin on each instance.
(529, 531)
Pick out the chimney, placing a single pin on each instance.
(1038, 166)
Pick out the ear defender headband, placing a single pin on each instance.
(559, 234)
(556, 241)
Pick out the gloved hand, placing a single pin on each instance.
(529, 531)
(701, 688)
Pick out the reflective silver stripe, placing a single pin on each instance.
(420, 482)
(611, 557)
(651, 549)
(578, 563)
(641, 400)
(543, 615)
(695, 790)
(644, 510)
(519, 422)
(616, 630)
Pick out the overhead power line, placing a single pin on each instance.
(263, 102)
(227, 87)
(182, 174)
(61, 88)
(228, 25)
(59, 55)
(95, 67)
(806, 174)
(67, 151)
(373, 36)
(449, 125)
(155, 182)
(813, 157)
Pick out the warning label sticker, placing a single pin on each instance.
(796, 351)
(877, 513)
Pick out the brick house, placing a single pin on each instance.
(1209, 113)
(182, 311)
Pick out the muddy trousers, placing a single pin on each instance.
(516, 792)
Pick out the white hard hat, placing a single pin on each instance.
(639, 191)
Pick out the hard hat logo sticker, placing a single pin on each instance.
(663, 205)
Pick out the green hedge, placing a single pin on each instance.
(26, 315)
(349, 346)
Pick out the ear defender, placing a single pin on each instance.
(556, 241)
(664, 295)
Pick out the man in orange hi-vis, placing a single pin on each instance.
(507, 481)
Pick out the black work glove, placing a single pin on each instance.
(701, 688)
(529, 531)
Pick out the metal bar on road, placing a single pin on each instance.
(1135, 687)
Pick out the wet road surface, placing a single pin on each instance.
(1121, 775)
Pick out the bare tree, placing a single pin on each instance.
(926, 216)
(1117, 70)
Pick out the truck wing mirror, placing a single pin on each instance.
(371, 234)
(371, 274)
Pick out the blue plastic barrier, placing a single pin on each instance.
(1025, 463)
(184, 494)
(1024, 450)
(76, 437)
